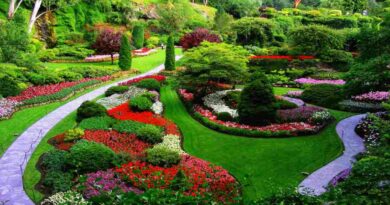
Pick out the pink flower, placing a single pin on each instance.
(375, 97)
(315, 81)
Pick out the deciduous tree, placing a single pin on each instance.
(108, 42)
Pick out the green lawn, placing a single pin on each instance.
(262, 166)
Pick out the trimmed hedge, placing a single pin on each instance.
(90, 109)
(323, 95)
(98, 123)
(116, 90)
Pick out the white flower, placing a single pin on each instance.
(157, 108)
(118, 99)
(217, 104)
(171, 142)
(69, 197)
(7, 107)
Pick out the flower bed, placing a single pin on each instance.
(7, 108)
(294, 94)
(103, 58)
(159, 78)
(300, 114)
(217, 104)
(312, 81)
(118, 99)
(361, 107)
(187, 96)
(118, 142)
(373, 97)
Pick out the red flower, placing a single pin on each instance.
(159, 78)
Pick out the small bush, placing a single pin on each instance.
(162, 157)
(128, 126)
(284, 105)
(90, 109)
(44, 77)
(58, 181)
(70, 76)
(150, 133)
(97, 123)
(116, 90)
(85, 157)
(224, 116)
(73, 135)
(323, 95)
(338, 59)
(9, 87)
(140, 103)
(150, 84)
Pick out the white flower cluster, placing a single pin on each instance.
(171, 142)
(118, 99)
(7, 107)
(217, 104)
(321, 117)
(157, 107)
(69, 197)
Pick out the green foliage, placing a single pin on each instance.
(70, 76)
(86, 157)
(93, 71)
(54, 160)
(153, 42)
(138, 36)
(163, 157)
(43, 77)
(150, 84)
(170, 58)
(323, 95)
(256, 103)
(73, 134)
(125, 57)
(116, 90)
(237, 8)
(140, 103)
(58, 181)
(254, 31)
(128, 126)
(338, 59)
(281, 104)
(173, 17)
(224, 116)
(288, 197)
(9, 86)
(97, 123)
(72, 52)
(90, 109)
(150, 134)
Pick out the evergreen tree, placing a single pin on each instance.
(125, 54)
(170, 60)
(138, 36)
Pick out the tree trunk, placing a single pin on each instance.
(296, 3)
(34, 14)
(112, 58)
(11, 10)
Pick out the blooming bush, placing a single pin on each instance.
(123, 112)
(373, 97)
(7, 107)
(300, 114)
(171, 142)
(118, 142)
(196, 37)
(295, 93)
(321, 117)
(187, 96)
(105, 182)
(159, 78)
(217, 104)
(69, 197)
(366, 130)
(157, 108)
(315, 81)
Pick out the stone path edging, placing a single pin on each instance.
(14, 160)
(317, 182)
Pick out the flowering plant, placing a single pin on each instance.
(217, 104)
(69, 197)
(118, 99)
(373, 97)
(315, 81)
(159, 78)
(321, 117)
(123, 112)
(294, 93)
(7, 107)
(186, 95)
(171, 142)
(300, 114)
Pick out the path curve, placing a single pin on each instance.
(14, 160)
(316, 183)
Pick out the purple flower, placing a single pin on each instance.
(7, 107)
(315, 81)
(375, 97)
(300, 114)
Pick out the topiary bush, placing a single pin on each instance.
(150, 133)
(256, 106)
(90, 109)
(323, 95)
(125, 58)
(140, 103)
(138, 36)
(170, 58)
(128, 126)
(116, 90)
(163, 157)
(54, 160)
(86, 157)
(150, 84)
(9, 87)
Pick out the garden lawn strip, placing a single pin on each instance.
(262, 166)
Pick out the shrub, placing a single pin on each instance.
(54, 160)
(325, 95)
(90, 109)
(125, 54)
(116, 90)
(150, 133)
(152, 42)
(321, 118)
(254, 31)
(58, 181)
(256, 103)
(281, 104)
(150, 84)
(73, 134)
(9, 87)
(138, 36)
(140, 103)
(163, 157)
(44, 77)
(196, 37)
(170, 58)
(338, 59)
(128, 126)
(224, 116)
(70, 76)
(93, 71)
(85, 157)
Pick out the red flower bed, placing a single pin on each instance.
(289, 58)
(118, 142)
(59, 142)
(142, 50)
(159, 78)
(292, 127)
(171, 128)
(123, 112)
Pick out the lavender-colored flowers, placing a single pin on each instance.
(294, 93)
(7, 107)
(315, 81)
(300, 114)
(103, 182)
(374, 97)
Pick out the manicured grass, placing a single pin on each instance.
(262, 166)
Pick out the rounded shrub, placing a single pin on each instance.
(9, 87)
(323, 95)
(58, 181)
(140, 103)
(90, 109)
(73, 134)
(170, 61)
(150, 84)
(85, 157)
(150, 133)
(256, 106)
(224, 116)
(70, 76)
(116, 90)
(163, 157)
(284, 105)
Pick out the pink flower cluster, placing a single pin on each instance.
(374, 97)
(186, 95)
(100, 58)
(104, 182)
(159, 78)
(315, 81)
(294, 93)
(7, 107)
(291, 127)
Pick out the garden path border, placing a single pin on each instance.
(14, 161)
(317, 182)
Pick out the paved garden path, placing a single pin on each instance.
(316, 183)
(14, 160)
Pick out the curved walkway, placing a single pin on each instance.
(14, 160)
(316, 183)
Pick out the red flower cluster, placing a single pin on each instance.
(289, 58)
(186, 95)
(159, 78)
(142, 50)
(118, 142)
(171, 128)
(123, 112)
(59, 142)
(292, 127)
